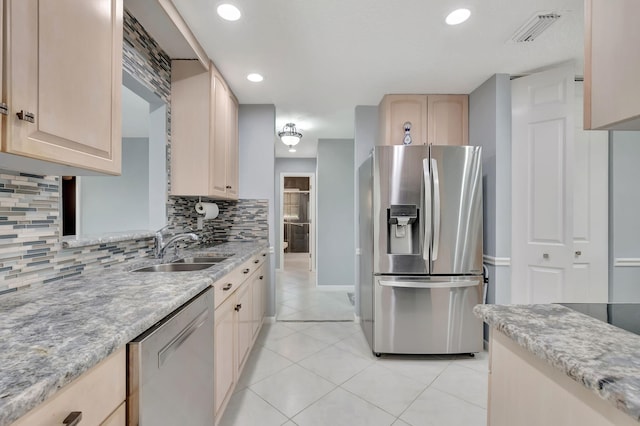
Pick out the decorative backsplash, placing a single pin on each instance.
(30, 222)
(237, 220)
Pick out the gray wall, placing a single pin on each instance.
(490, 127)
(118, 203)
(256, 134)
(287, 165)
(335, 195)
(624, 205)
(365, 137)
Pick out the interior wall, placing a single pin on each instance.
(287, 165)
(365, 137)
(116, 203)
(335, 207)
(256, 135)
(490, 128)
(624, 204)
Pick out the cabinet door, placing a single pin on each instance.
(244, 316)
(63, 76)
(611, 65)
(190, 129)
(224, 362)
(395, 110)
(218, 152)
(448, 119)
(258, 300)
(232, 149)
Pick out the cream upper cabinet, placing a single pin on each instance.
(232, 148)
(434, 119)
(612, 65)
(62, 85)
(202, 155)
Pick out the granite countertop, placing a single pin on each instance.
(602, 357)
(52, 333)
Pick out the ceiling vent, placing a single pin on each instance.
(534, 27)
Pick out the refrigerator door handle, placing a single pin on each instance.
(427, 209)
(429, 284)
(436, 208)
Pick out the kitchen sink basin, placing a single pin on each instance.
(201, 259)
(174, 267)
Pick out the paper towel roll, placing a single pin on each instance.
(209, 210)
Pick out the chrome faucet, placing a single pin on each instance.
(161, 245)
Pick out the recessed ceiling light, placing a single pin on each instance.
(255, 77)
(458, 16)
(229, 12)
(292, 149)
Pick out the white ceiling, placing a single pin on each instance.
(321, 58)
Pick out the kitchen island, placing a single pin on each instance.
(552, 365)
(53, 333)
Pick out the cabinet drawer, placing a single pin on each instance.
(97, 394)
(226, 286)
(118, 417)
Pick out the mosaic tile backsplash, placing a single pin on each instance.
(237, 220)
(30, 222)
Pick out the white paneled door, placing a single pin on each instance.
(553, 182)
(590, 211)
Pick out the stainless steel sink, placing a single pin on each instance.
(201, 259)
(175, 267)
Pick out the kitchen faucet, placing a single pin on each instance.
(161, 245)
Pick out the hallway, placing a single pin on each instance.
(299, 299)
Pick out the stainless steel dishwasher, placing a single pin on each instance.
(170, 368)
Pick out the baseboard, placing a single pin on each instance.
(626, 261)
(347, 288)
(269, 320)
(496, 261)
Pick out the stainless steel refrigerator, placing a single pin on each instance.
(421, 249)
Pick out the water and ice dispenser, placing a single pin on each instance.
(403, 229)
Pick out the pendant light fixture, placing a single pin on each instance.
(289, 135)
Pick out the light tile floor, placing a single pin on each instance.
(303, 372)
(299, 299)
(323, 373)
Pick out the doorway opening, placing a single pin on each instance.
(297, 249)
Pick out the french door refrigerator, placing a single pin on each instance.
(421, 249)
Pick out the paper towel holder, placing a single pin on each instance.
(205, 211)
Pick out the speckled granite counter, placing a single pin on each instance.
(51, 334)
(604, 358)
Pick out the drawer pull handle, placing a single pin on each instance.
(229, 187)
(26, 116)
(256, 261)
(227, 286)
(264, 254)
(261, 276)
(73, 418)
(246, 271)
(238, 307)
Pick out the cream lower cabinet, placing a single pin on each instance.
(99, 394)
(526, 391)
(239, 315)
(63, 110)
(435, 119)
(204, 132)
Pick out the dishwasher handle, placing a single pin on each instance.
(177, 341)
(429, 284)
